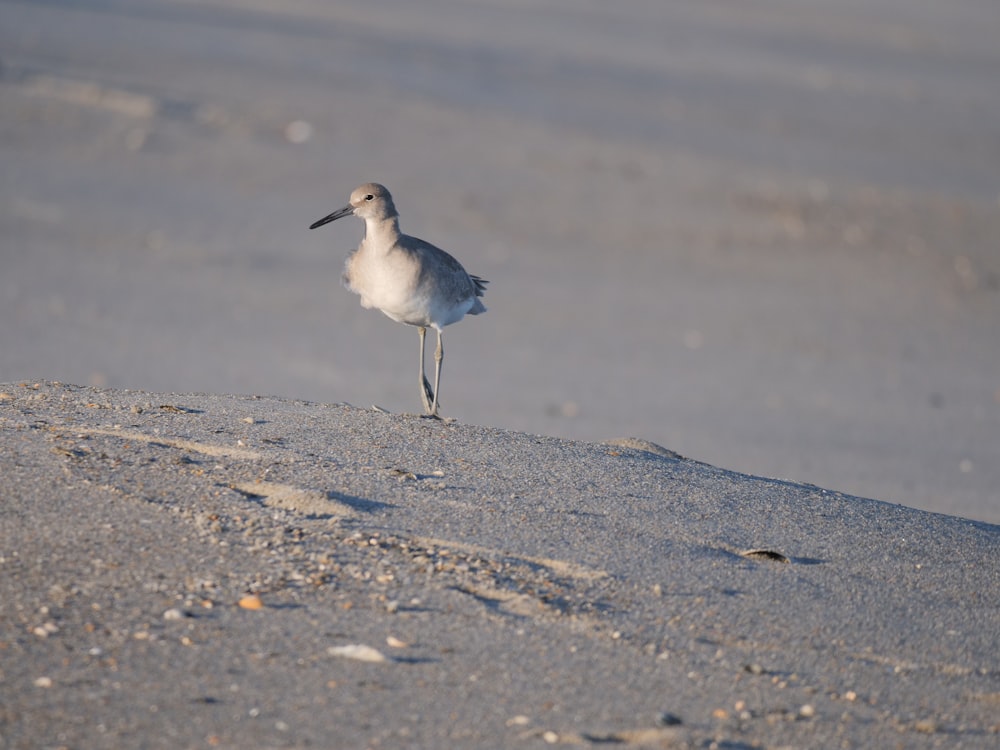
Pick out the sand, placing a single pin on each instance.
(192, 570)
(763, 235)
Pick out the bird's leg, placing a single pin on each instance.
(438, 358)
(426, 394)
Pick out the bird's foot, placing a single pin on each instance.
(427, 394)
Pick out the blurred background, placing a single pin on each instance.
(762, 233)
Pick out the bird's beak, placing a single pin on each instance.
(341, 212)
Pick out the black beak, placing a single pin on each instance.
(334, 216)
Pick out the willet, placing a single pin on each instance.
(410, 280)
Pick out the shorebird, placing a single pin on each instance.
(408, 279)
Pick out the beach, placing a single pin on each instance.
(717, 467)
(217, 571)
(764, 237)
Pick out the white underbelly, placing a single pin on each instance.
(392, 289)
(396, 288)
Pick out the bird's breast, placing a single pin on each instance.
(388, 283)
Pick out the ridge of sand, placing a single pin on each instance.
(223, 573)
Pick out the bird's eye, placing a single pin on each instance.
(369, 197)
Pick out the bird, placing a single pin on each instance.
(407, 278)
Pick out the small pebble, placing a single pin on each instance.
(807, 711)
(550, 737)
(251, 601)
(173, 614)
(358, 651)
(44, 631)
(43, 682)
